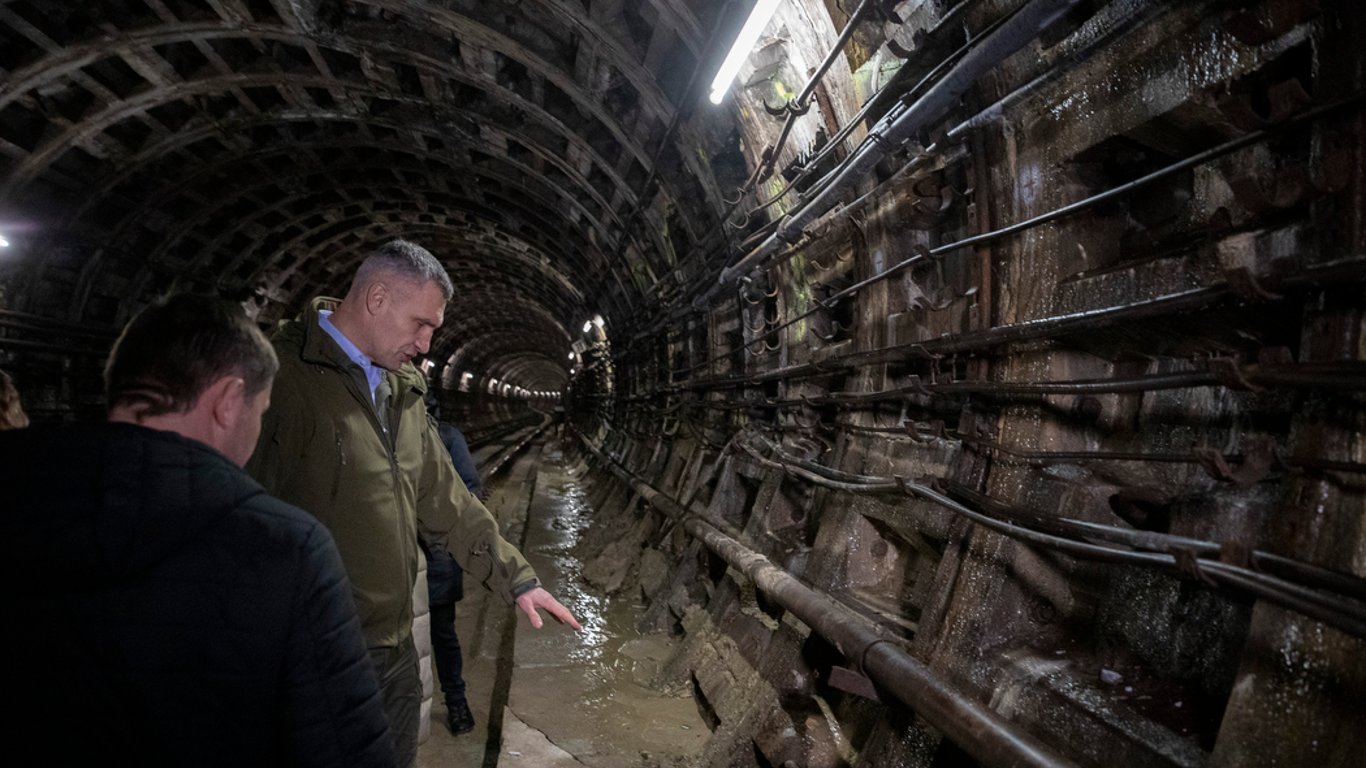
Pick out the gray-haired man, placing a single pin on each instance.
(347, 438)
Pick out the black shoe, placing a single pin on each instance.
(459, 719)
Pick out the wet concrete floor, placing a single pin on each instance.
(554, 697)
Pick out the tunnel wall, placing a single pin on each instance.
(1175, 360)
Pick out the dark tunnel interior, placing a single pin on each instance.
(980, 382)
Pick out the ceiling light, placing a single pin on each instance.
(587, 326)
(3, 242)
(749, 35)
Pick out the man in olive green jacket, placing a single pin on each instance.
(347, 438)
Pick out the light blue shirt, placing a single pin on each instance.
(373, 373)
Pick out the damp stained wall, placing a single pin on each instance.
(1058, 396)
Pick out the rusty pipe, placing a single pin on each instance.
(983, 734)
(980, 732)
(1336, 610)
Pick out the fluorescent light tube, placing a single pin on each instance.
(744, 44)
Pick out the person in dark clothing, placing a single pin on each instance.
(162, 609)
(459, 449)
(446, 587)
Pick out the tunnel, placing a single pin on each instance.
(949, 382)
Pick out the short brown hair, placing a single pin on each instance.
(12, 414)
(173, 350)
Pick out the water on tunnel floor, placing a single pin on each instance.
(566, 698)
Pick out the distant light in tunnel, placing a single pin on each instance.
(587, 326)
(749, 35)
(4, 242)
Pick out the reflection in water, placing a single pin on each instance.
(562, 528)
(589, 692)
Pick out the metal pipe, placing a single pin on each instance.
(1336, 610)
(835, 50)
(980, 732)
(838, 139)
(1317, 576)
(1112, 21)
(1071, 208)
(1329, 609)
(949, 17)
(1349, 375)
(656, 498)
(1154, 541)
(896, 128)
(797, 106)
(834, 143)
(1349, 269)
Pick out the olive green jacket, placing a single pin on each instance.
(322, 449)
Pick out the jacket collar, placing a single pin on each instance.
(321, 349)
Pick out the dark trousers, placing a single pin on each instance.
(445, 587)
(446, 651)
(400, 685)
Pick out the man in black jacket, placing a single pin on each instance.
(162, 609)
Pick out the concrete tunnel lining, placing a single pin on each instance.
(1106, 274)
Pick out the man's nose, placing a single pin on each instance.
(424, 341)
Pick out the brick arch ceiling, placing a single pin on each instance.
(257, 148)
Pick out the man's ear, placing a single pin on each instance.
(376, 296)
(224, 400)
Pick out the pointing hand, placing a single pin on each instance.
(539, 598)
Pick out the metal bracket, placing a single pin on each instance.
(849, 681)
(1188, 563)
(1242, 282)
(789, 108)
(1230, 374)
(1259, 458)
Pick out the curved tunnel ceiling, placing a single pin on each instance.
(258, 148)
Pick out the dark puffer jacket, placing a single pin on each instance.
(163, 610)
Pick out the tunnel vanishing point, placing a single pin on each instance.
(980, 382)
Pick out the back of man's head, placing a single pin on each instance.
(408, 262)
(172, 350)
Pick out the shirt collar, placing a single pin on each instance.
(373, 373)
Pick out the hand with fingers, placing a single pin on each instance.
(539, 598)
